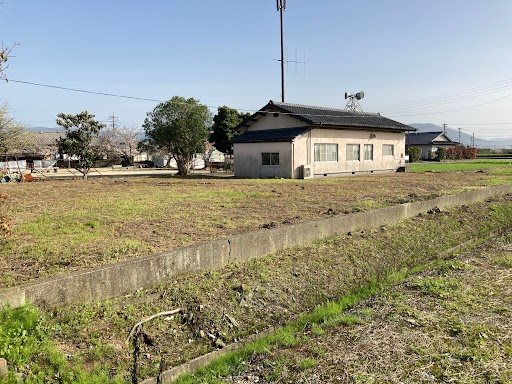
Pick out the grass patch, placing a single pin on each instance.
(504, 165)
(328, 315)
(307, 363)
(504, 260)
(35, 359)
(435, 286)
(416, 335)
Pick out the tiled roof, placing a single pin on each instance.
(282, 134)
(426, 138)
(332, 117)
(42, 139)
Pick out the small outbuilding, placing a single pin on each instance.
(300, 141)
(429, 142)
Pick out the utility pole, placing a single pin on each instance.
(473, 139)
(459, 135)
(444, 128)
(281, 6)
(112, 120)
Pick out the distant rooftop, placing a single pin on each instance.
(426, 138)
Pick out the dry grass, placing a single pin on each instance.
(451, 323)
(267, 291)
(67, 225)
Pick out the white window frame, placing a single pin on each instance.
(371, 152)
(392, 146)
(271, 155)
(321, 149)
(352, 152)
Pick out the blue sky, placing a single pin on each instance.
(222, 52)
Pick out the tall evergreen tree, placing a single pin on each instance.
(224, 128)
(178, 127)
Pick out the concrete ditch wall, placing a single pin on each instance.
(126, 277)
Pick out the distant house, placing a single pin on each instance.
(295, 141)
(429, 142)
(39, 145)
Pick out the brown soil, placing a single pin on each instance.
(60, 226)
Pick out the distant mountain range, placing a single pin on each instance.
(465, 139)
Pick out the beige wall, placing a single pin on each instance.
(304, 151)
(248, 160)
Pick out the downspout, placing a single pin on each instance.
(293, 159)
(309, 148)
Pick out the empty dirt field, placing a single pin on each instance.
(62, 225)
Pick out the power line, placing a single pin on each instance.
(239, 109)
(455, 110)
(83, 91)
(448, 94)
(161, 101)
(481, 123)
(443, 101)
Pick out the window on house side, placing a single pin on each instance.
(326, 152)
(388, 150)
(268, 158)
(353, 152)
(368, 151)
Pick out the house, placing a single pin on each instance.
(429, 142)
(295, 141)
(39, 145)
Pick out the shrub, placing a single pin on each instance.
(457, 153)
(441, 154)
(414, 154)
(469, 153)
(454, 153)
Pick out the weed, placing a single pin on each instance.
(93, 224)
(435, 286)
(307, 363)
(31, 355)
(504, 261)
(317, 330)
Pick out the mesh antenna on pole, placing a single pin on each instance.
(281, 6)
(353, 101)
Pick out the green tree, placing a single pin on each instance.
(10, 132)
(178, 128)
(414, 154)
(441, 154)
(224, 128)
(81, 139)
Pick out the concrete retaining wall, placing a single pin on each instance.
(128, 276)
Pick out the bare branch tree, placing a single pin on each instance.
(10, 132)
(5, 54)
(121, 141)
